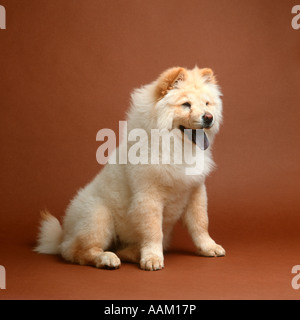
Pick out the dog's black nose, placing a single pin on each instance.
(207, 119)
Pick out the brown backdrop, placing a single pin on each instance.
(67, 69)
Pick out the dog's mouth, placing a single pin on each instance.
(197, 136)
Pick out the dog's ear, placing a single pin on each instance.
(208, 75)
(169, 80)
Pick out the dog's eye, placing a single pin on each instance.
(207, 103)
(186, 104)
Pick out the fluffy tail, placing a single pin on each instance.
(50, 235)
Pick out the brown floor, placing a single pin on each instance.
(254, 268)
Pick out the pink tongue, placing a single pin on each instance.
(199, 137)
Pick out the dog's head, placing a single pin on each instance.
(188, 99)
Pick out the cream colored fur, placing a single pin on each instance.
(132, 209)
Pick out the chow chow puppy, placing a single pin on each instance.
(128, 211)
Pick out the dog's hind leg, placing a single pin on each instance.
(95, 256)
(89, 245)
(130, 254)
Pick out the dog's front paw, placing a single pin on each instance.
(211, 249)
(152, 263)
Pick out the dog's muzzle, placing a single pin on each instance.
(207, 120)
